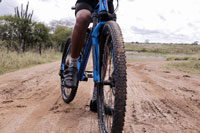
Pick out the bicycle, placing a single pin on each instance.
(109, 68)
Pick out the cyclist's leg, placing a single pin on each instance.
(83, 18)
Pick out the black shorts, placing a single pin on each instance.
(86, 4)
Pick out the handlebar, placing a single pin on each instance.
(73, 7)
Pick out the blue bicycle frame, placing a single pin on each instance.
(93, 42)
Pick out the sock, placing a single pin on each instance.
(74, 62)
(94, 97)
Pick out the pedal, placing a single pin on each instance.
(85, 77)
(89, 71)
(108, 82)
(89, 74)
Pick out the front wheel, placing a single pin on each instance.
(111, 93)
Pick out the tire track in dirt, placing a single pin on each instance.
(158, 105)
(157, 101)
(31, 101)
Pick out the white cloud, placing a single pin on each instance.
(47, 10)
(155, 20)
(169, 17)
(7, 6)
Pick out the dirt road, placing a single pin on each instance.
(158, 101)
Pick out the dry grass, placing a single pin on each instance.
(192, 67)
(180, 56)
(184, 58)
(13, 61)
(163, 48)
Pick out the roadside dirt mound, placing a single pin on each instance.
(158, 101)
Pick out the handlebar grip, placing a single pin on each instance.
(73, 7)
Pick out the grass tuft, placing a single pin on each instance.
(163, 48)
(192, 67)
(171, 58)
(13, 61)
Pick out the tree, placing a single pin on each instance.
(40, 35)
(60, 36)
(195, 43)
(8, 30)
(24, 23)
(21, 33)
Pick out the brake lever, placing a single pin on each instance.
(73, 7)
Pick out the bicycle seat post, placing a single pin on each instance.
(94, 19)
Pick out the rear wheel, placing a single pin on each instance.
(68, 94)
(111, 94)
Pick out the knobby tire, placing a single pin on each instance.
(112, 56)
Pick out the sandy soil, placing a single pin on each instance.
(158, 101)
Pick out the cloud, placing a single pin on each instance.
(44, 0)
(162, 17)
(194, 26)
(144, 31)
(7, 7)
(48, 10)
(165, 21)
(141, 34)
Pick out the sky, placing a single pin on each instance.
(162, 21)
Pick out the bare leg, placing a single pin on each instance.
(83, 18)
